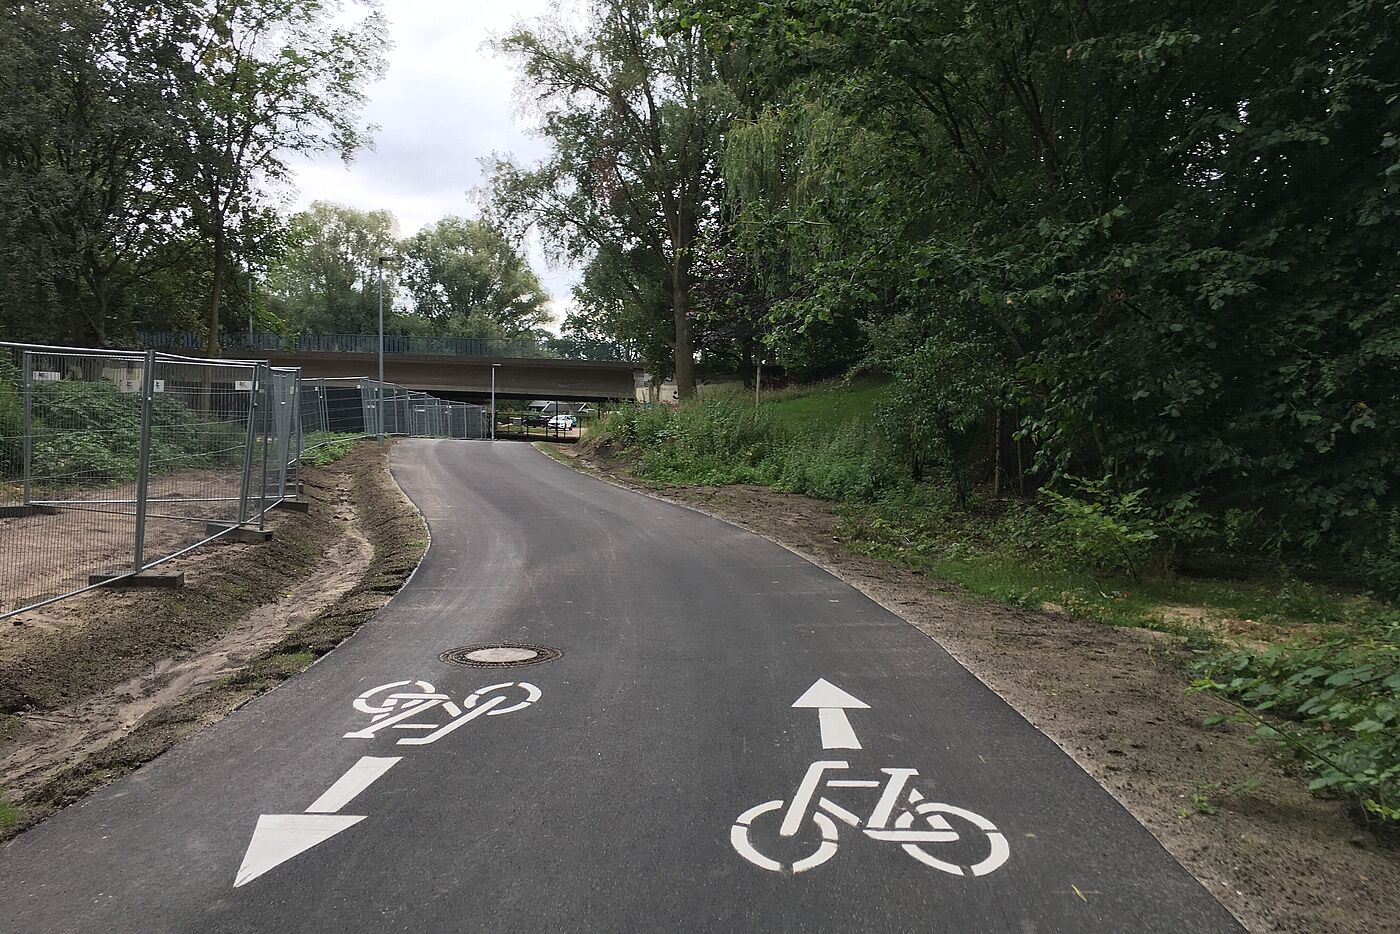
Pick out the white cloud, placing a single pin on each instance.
(447, 102)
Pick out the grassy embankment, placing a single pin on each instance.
(1314, 668)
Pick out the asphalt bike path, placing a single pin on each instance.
(731, 740)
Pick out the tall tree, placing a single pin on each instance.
(89, 203)
(634, 111)
(266, 80)
(468, 279)
(1172, 228)
(327, 282)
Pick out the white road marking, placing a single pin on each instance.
(393, 710)
(917, 822)
(359, 777)
(279, 837)
(451, 725)
(832, 703)
(836, 729)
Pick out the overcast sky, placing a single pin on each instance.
(447, 102)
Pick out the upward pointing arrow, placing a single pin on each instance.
(832, 703)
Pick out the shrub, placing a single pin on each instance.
(938, 409)
(11, 416)
(725, 438)
(1337, 700)
(90, 433)
(1104, 529)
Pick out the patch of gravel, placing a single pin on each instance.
(1114, 699)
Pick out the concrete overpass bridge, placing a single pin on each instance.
(562, 369)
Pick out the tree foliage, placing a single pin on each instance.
(1176, 225)
(326, 281)
(141, 146)
(634, 118)
(457, 277)
(469, 280)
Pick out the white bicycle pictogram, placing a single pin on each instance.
(391, 706)
(901, 815)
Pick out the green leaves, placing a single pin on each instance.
(1337, 697)
(468, 279)
(1176, 229)
(1104, 530)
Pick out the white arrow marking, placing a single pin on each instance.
(279, 837)
(832, 703)
(360, 776)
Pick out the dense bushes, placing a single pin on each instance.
(1159, 242)
(11, 415)
(1331, 701)
(727, 439)
(90, 433)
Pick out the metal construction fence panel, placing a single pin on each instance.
(361, 405)
(114, 462)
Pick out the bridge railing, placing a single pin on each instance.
(556, 348)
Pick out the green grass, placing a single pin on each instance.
(822, 441)
(322, 448)
(1004, 557)
(827, 405)
(9, 814)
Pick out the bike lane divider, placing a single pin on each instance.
(898, 811)
(410, 705)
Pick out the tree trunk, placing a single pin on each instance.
(216, 288)
(685, 351)
(996, 455)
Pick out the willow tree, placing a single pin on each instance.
(633, 109)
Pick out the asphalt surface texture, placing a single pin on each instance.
(642, 781)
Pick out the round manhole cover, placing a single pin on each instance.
(500, 655)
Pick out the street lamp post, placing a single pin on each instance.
(379, 392)
(493, 400)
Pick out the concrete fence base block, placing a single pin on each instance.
(23, 512)
(238, 533)
(159, 580)
(293, 505)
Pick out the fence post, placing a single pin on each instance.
(284, 447)
(267, 430)
(27, 367)
(248, 447)
(143, 471)
(301, 442)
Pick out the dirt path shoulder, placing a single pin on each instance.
(1114, 699)
(93, 686)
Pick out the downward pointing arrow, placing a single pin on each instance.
(832, 703)
(279, 837)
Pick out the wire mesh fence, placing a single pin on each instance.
(331, 407)
(114, 462)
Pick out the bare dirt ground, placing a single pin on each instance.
(93, 686)
(1114, 699)
(51, 738)
(52, 553)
